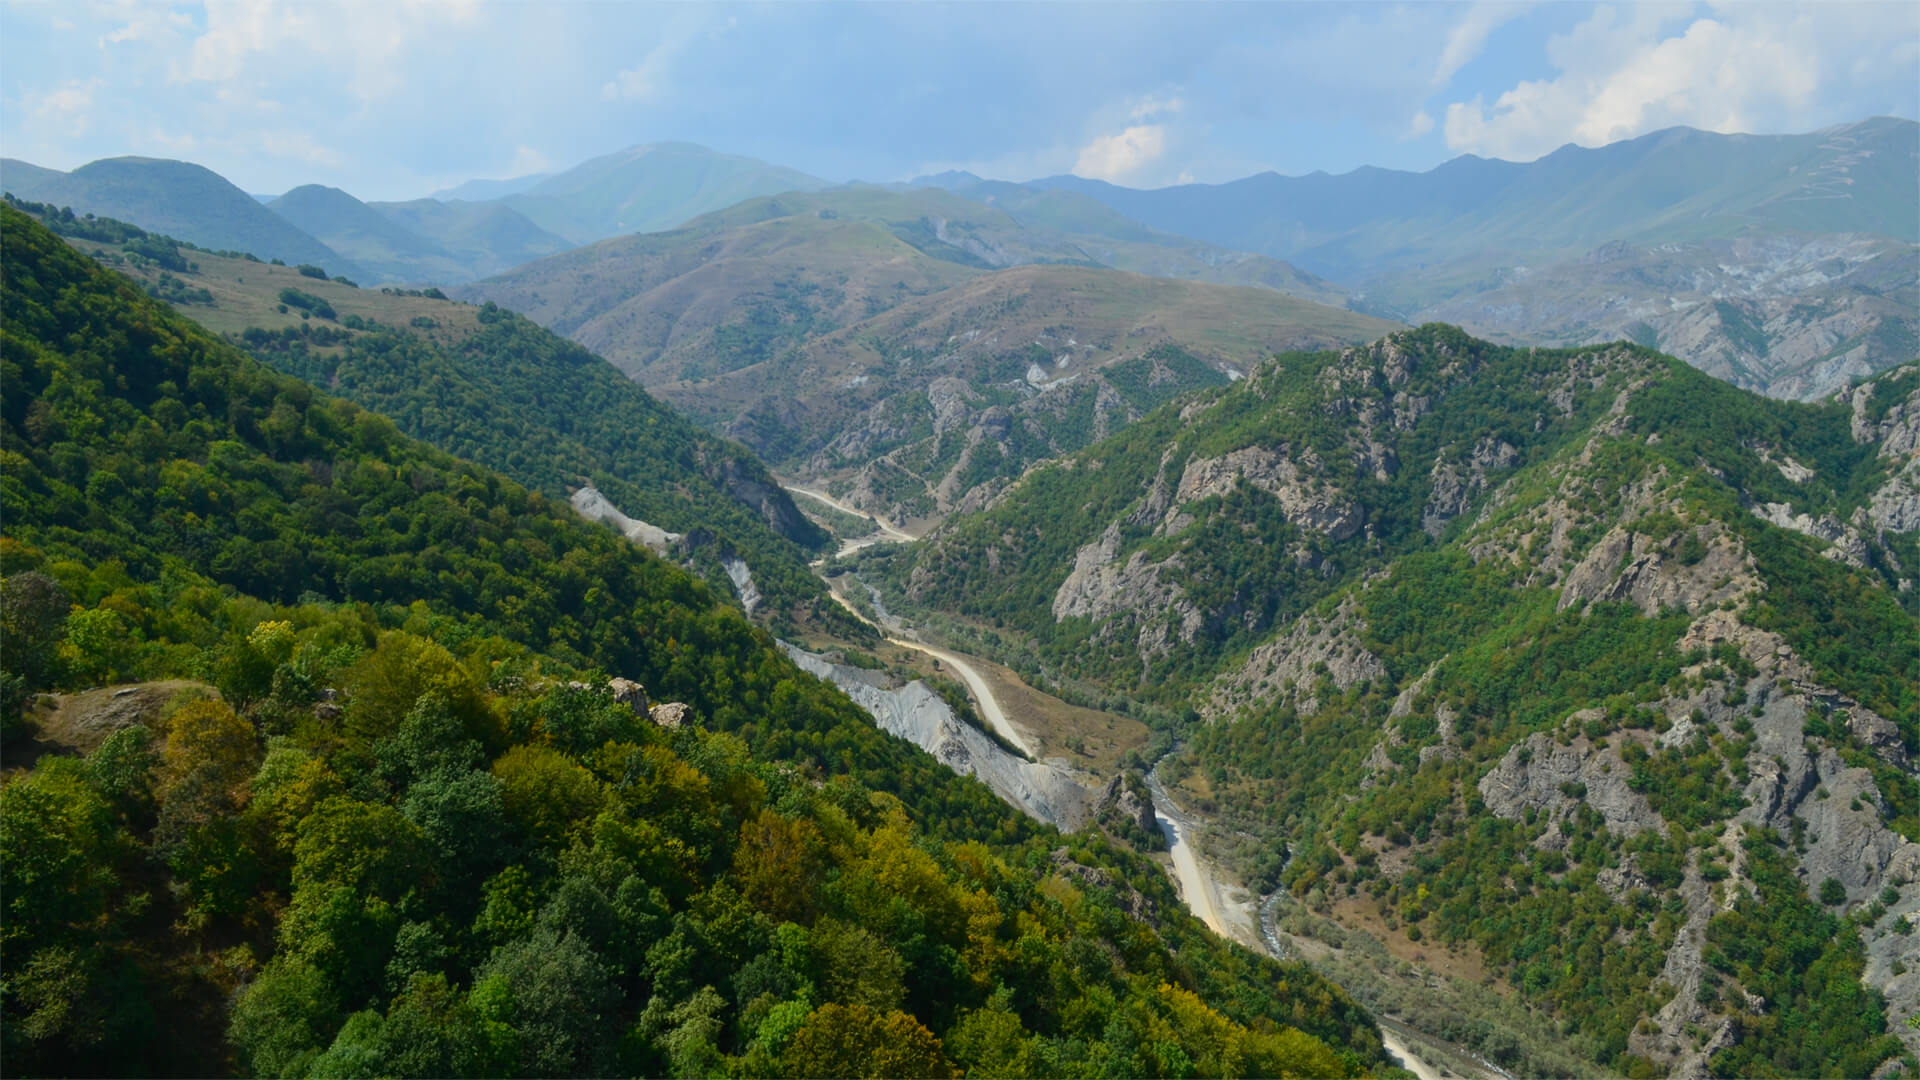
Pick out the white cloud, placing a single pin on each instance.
(271, 37)
(301, 147)
(1744, 68)
(527, 160)
(1418, 125)
(1119, 156)
(1150, 107)
(1469, 36)
(67, 107)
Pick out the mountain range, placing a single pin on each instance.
(873, 338)
(1549, 698)
(1711, 247)
(1577, 673)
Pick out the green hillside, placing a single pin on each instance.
(186, 201)
(1575, 670)
(387, 832)
(496, 389)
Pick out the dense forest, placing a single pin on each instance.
(388, 820)
(494, 388)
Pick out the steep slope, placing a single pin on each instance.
(496, 389)
(649, 188)
(831, 330)
(937, 404)
(400, 834)
(1787, 315)
(1577, 669)
(186, 201)
(486, 237)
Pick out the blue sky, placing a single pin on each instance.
(395, 98)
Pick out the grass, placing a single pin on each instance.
(247, 294)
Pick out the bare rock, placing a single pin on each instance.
(1306, 502)
(1544, 775)
(673, 714)
(631, 694)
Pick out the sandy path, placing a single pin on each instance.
(1398, 1048)
(982, 693)
(886, 530)
(1195, 888)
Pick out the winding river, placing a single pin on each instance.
(1197, 886)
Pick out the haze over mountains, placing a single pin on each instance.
(1780, 263)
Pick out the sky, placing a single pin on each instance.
(393, 99)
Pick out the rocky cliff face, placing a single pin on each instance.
(1044, 791)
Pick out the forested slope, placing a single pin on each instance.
(494, 388)
(1580, 664)
(393, 825)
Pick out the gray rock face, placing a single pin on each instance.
(1298, 660)
(672, 714)
(1120, 799)
(1629, 566)
(1044, 791)
(1306, 502)
(590, 504)
(632, 695)
(1544, 775)
(1455, 484)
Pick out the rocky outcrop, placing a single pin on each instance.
(914, 712)
(742, 578)
(1456, 484)
(758, 492)
(1289, 668)
(1545, 775)
(632, 695)
(1307, 501)
(672, 714)
(590, 504)
(1656, 575)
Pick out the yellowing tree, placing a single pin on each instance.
(854, 1041)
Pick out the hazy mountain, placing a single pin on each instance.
(1111, 239)
(182, 200)
(386, 249)
(1577, 675)
(1520, 251)
(26, 180)
(482, 190)
(649, 188)
(486, 237)
(1788, 315)
(814, 327)
(1673, 185)
(424, 241)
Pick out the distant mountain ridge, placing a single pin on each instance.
(1676, 184)
(179, 199)
(648, 188)
(915, 347)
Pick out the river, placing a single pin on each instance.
(1197, 886)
